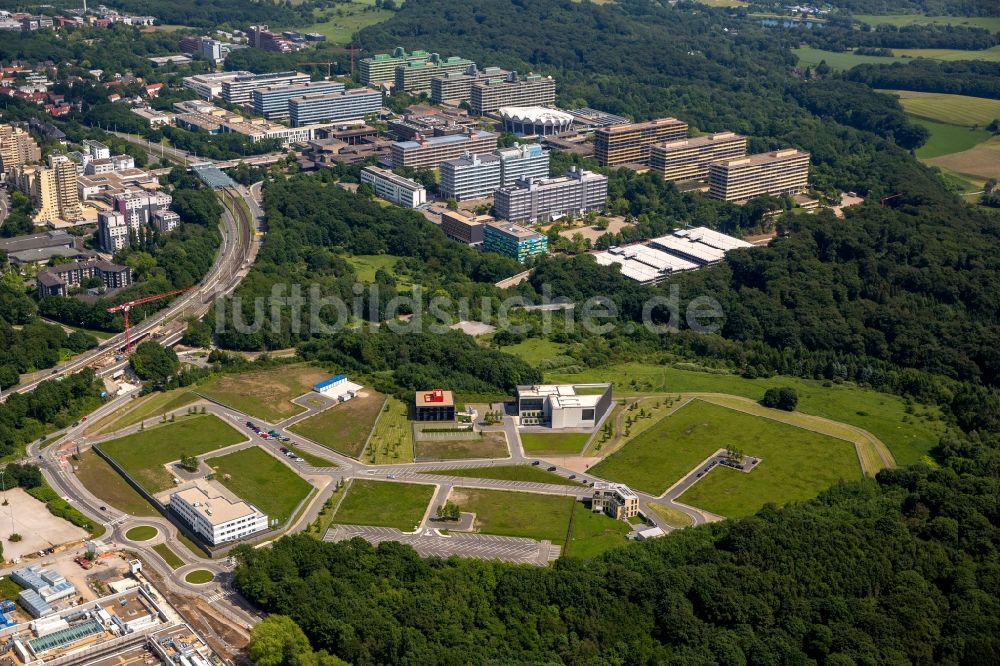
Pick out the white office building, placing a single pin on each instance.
(470, 177)
(208, 86)
(239, 89)
(523, 161)
(348, 105)
(217, 519)
(112, 230)
(272, 101)
(563, 405)
(391, 187)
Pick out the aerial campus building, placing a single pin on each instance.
(563, 405)
(393, 187)
(470, 176)
(381, 68)
(534, 120)
(631, 144)
(468, 229)
(775, 173)
(615, 500)
(523, 161)
(417, 75)
(688, 159)
(217, 519)
(515, 241)
(429, 152)
(643, 264)
(489, 95)
(352, 105)
(456, 87)
(577, 192)
(434, 405)
(238, 89)
(272, 101)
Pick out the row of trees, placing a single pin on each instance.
(53, 404)
(978, 78)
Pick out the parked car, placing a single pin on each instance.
(552, 469)
(535, 462)
(283, 449)
(250, 425)
(263, 435)
(572, 476)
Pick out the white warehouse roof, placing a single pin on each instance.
(713, 238)
(537, 115)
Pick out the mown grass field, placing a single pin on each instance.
(809, 56)
(144, 454)
(947, 139)
(169, 556)
(262, 480)
(142, 533)
(535, 350)
(343, 427)
(671, 516)
(952, 109)
(802, 462)
(391, 440)
(594, 533)
(531, 473)
(105, 483)
(200, 577)
(507, 513)
(340, 22)
(978, 163)
(148, 407)
(384, 504)
(555, 443)
(908, 435)
(265, 394)
(991, 23)
(481, 445)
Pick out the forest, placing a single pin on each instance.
(964, 77)
(51, 405)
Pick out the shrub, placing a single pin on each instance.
(785, 398)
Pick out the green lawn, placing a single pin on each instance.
(344, 427)
(952, 109)
(366, 265)
(392, 440)
(555, 443)
(535, 350)
(142, 533)
(809, 56)
(661, 455)
(149, 407)
(506, 513)
(200, 577)
(340, 22)
(530, 473)
(265, 394)
(671, 516)
(262, 480)
(104, 482)
(479, 445)
(991, 23)
(594, 533)
(169, 556)
(947, 139)
(908, 436)
(384, 504)
(144, 454)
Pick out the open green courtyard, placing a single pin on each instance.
(384, 504)
(664, 453)
(262, 480)
(145, 454)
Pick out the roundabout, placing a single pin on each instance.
(142, 533)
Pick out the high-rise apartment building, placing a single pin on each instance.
(17, 148)
(238, 90)
(470, 176)
(272, 101)
(429, 152)
(776, 173)
(352, 105)
(417, 75)
(112, 230)
(456, 87)
(514, 241)
(688, 159)
(531, 90)
(381, 68)
(523, 161)
(52, 190)
(631, 144)
(138, 206)
(575, 193)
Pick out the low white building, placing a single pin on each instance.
(563, 405)
(400, 191)
(217, 519)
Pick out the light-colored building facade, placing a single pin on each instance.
(347, 105)
(238, 89)
(217, 519)
(513, 90)
(470, 176)
(429, 152)
(561, 406)
(52, 190)
(17, 148)
(417, 75)
(464, 228)
(112, 230)
(209, 86)
(615, 500)
(534, 120)
(57, 280)
(775, 173)
(456, 87)
(523, 161)
(514, 241)
(688, 159)
(272, 101)
(381, 68)
(392, 187)
(576, 193)
(631, 144)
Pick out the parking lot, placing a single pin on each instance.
(38, 528)
(428, 543)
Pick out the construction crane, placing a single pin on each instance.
(328, 66)
(128, 305)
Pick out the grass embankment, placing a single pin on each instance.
(384, 504)
(343, 428)
(527, 473)
(259, 478)
(105, 483)
(555, 443)
(391, 440)
(169, 556)
(151, 406)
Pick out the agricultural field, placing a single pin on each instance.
(259, 478)
(481, 445)
(657, 458)
(507, 513)
(340, 22)
(951, 109)
(265, 394)
(978, 163)
(384, 504)
(344, 428)
(991, 23)
(809, 56)
(909, 430)
(594, 533)
(145, 454)
(151, 406)
(948, 139)
(554, 443)
(391, 440)
(530, 473)
(106, 484)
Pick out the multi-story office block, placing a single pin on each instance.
(523, 161)
(417, 75)
(272, 101)
(514, 241)
(464, 228)
(17, 148)
(456, 87)
(776, 173)
(688, 159)
(630, 144)
(217, 519)
(57, 280)
(615, 500)
(513, 90)
(575, 193)
(239, 89)
(428, 153)
(470, 176)
(259, 37)
(331, 107)
(112, 230)
(165, 220)
(209, 85)
(392, 187)
(381, 68)
(96, 149)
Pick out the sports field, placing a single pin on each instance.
(265, 394)
(144, 454)
(554, 443)
(344, 427)
(506, 513)
(991, 23)
(384, 504)
(531, 473)
(262, 480)
(660, 456)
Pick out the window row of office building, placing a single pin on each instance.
(272, 102)
(473, 176)
(429, 152)
(393, 187)
(331, 107)
(531, 200)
